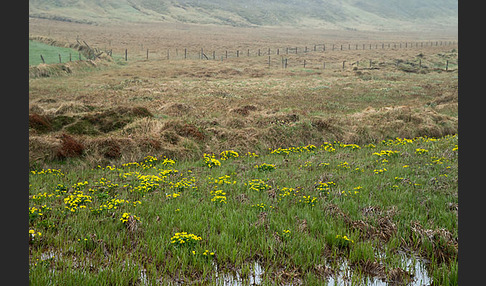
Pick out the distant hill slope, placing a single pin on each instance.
(348, 14)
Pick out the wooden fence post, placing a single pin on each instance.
(447, 65)
(268, 61)
(185, 53)
(60, 58)
(304, 63)
(343, 64)
(126, 54)
(147, 54)
(42, 58)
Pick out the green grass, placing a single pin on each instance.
(292, 225)
(50, 53)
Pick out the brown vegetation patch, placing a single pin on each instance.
(41, 123)
(73, 107)
(176, 109)
(383, 227)
(70, 147)
(108, 120)
(244, 110)
(398, 276)
(371, 268)
(399, 121)
(445, 246)
(188, 130)
(279, 119)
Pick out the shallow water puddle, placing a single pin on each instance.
(411, 264)
(227, 279)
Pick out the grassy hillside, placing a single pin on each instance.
(49, 53)
(355, 14)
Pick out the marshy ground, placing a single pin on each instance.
(110, 136)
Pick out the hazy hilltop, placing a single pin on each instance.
(341, 14)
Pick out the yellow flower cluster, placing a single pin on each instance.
(261, 206)
(126, 216)
(184, 184)
(421, 151)
(148, 183)
(48, 171)
(148, 162)
(33, 234)
(306, 164)
(225, 155)
(352, 146)
(344, 165)
(168, 162)
(113, 205)
(379, 171)
(211, 161)
(223, 180)
(387, 153)
(308, 200)
(36, 212)
(184, 238)
(103, 182)
(218, 196)
(173, 195)
(328, 147)
(206, 253)
(109, 168)
(76, 200)
(251, 154)
(325, 187)
(265, 167)
(286, 192)
(43, 196)
(258, 185)
(299, 149)
(344, 238)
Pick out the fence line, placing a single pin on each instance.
(203, 54)
(367, 64)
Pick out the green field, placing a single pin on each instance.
(287, 215)
(50, 53)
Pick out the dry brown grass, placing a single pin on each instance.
(182, 108)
